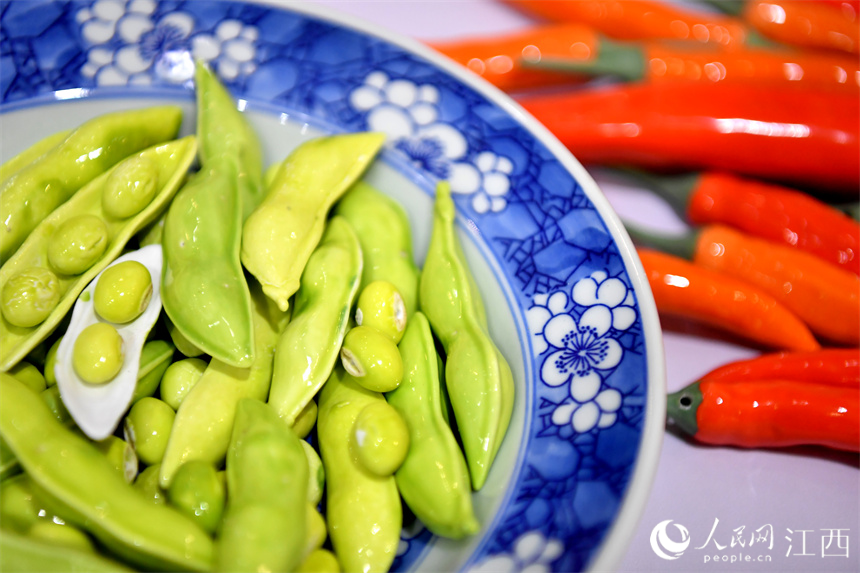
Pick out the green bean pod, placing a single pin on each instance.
(33, 192)
(203, 287)
(280, 235)
(29, 555)
(224, 132)
(384, 232)
(310, 345)
(31, 154)
(433, 479)
(478, 378)
(82, 486)
(171, 160)
(204, 421)
(267, 480)
(155, 358)
(363, 510)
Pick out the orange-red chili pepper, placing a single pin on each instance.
(828, 366)
(685, 290)
(499, 59)
(768, 413)
(661, 61)
(779, 214)
(825, 297)
(640, 20)
(803, 137)
(804, 23)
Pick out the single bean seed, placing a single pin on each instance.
(29, 375)
(147, 428)
(121, 454)
(29, 296)
(380, 439)
(147, 483)
(316, 474)
(372, 359)
(319, 561)
(306, 419)
(77, 244)
(130, 187)
(51, 362)
(381, 307)
(179, 378)
(98, 353)
(123, 292)
(198, 492)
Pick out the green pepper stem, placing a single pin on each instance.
(622, 60)
(681, 408)
(730, 7)
(683, 245)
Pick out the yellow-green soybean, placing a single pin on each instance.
(372, 359)
(147, 483)
(380, 439)
(51, 362)
(123, 292)
(306, 419)
(179, 378)
(77, 244)
(147, 428)
(198, 492)
(130, 188)
(121, 455)
(319, 561)
(316, 474)
(29, 375)
(29, 297)
(97, 356)
(381, 308)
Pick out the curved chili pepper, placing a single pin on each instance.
(768, 413)
(683, 289)
(500, 59)
(640, 20)
(828, 366)
(808, 137)
(825, 297)
(660, 62)
(778, 214)
(805, 24)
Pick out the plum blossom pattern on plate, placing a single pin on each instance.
(583, 344)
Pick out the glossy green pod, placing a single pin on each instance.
(310, 345)
(204, 421)
(172, 160)
(280, 235)
(31, 154)
(83, 488)
(433, 480)
(203, 287)
(264, 526)
(363, 510)
(29, 555)
(385, 235)
(34, 191)
(478, 378)
(224, 132)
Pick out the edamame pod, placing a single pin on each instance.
(280, 235)
(433, 480)
(30, 555)
(204, 421)
(172, 161)
(224, 132)
(384, 232)
(479, 380)
(310, 345)
(82, 486)
(267, 481)
(33, 192)
(31, 154)
(204, 291)
(363, 510)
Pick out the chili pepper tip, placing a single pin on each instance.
(681, 407)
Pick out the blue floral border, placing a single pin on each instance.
(557, 254)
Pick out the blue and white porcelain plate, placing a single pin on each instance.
(567, 300)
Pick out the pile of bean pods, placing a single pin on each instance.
(214, 367)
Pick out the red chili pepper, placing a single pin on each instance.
(640, 20)
(499, 59)
(825, 297)
(828, 366)
(805, 24)
(808, 137)
(660, 62)
(779, 214)
(688, 291)
(768, 413)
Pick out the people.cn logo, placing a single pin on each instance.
(664, 546)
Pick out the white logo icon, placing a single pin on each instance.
(665, 547)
